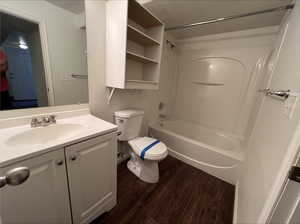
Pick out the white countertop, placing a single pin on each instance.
(91, 127)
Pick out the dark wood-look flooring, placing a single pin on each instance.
(184, 194)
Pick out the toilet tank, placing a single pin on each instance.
(129, 123)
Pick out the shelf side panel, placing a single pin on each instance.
(142, 15)
(116, 36)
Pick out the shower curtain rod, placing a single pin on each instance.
(286, 7)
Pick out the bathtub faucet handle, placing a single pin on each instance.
(162, 116)
(161, 106)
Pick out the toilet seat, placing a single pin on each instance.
(157, 152)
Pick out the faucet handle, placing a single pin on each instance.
(52, 118)
(34, 119)
(34, 122)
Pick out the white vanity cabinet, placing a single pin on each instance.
(43, 197)
(74, 184)
(92, 177)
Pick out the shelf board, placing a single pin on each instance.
(142, 81)
(140, 37)
(141, 84)
(139, 58)
(209, 83)
(141, 15)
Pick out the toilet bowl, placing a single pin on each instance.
(145, 164)
(145, 152)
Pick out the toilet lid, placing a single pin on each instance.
(156, 152)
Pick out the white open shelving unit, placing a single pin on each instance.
(133, 46)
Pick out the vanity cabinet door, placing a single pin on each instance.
(43, 197)
(92, 167)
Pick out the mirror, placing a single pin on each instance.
(43, 60)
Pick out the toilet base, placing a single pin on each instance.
(146, 170)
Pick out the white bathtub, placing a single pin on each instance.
(206, 149)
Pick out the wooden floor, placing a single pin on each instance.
(183, 195)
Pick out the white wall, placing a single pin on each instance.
(228, 59)
(146, 100)
(64, 41)
(169, 70)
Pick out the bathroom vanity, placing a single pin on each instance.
(51, 171)
(72, 171)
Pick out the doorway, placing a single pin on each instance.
(20, 41)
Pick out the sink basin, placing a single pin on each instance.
(44, 135)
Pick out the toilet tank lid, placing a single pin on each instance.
(129, 113)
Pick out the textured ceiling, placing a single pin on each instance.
(74, 6)
(180, 12)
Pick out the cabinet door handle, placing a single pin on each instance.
(15, 176)
(73, 157)
(3, 181)
(59, 162)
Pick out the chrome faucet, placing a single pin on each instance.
(43, 121)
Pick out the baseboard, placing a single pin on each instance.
(122, 157)
(236, 202)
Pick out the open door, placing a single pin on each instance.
(287, 210)
(274, 141)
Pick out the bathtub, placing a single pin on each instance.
(203, 148)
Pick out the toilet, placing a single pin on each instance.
(145, 152)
